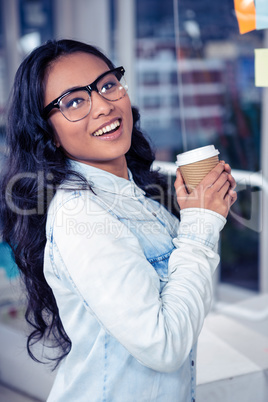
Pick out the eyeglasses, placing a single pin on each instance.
(75, 104)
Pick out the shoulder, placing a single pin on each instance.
(70, 203)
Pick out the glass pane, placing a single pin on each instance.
(240, 241)
(200, 90)
(36, 23)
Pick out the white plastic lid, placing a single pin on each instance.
(196, 155)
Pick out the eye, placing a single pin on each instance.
(74, 103)
(109, 86)
(75, 100)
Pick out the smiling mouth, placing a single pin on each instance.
(110, 128)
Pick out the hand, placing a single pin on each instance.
(214, 192)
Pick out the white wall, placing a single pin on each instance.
(84, 20)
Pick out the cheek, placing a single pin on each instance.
(63, 132)
(130, 124)
(129, 116)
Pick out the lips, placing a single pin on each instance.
(109, 128)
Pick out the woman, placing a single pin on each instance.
(115, 282)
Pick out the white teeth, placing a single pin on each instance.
(107, 129)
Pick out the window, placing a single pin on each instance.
(208, 82)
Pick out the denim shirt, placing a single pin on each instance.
(133, 285)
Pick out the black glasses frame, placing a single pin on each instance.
(89, 88)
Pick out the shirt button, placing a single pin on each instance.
(192, 363)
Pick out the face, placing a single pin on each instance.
(79, 139)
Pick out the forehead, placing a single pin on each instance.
(77, 69)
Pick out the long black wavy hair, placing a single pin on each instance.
(33, 169)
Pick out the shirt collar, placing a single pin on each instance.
(101, 180)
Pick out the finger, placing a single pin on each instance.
(234, 198)
(233, 195)
(227, 168)
(232, 192)
(220, 182)
(224, 190)
(213, 175)
(180, 186)
(179, 178)
(230, 199)
(232, 181)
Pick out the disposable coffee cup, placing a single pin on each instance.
(194, 165)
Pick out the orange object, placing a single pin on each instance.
(246, 15)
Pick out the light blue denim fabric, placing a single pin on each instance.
(129, 343)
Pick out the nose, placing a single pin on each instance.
(100, 106)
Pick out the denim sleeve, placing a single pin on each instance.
(104, 264)
(200, 226)
(191, 267)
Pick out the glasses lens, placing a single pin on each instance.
(112, 86)
(76, 105)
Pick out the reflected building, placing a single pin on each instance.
(173, 92)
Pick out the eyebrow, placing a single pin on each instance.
(81, 86)
(71, 89)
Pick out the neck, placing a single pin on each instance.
(116, 167)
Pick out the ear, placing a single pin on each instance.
(56, 142)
